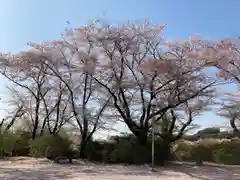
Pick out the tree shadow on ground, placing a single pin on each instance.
(32, 174)
(61, 172)
(209, 172)
(93, 171)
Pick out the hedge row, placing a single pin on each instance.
(126, 150)
(120, 149)
(20, 144)
(210, 150)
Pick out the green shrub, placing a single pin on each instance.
(210, 150)
(7, 142)
(50, 146)
(184, 151)
(124, 149)
(203, 151)
(97, 151)
(227, 153)
(21, 147)
(208, 131)
(129, 152)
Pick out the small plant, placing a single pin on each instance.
(51, 147)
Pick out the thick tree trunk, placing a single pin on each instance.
(84, 141)
(234, 127)
(199, 161)
(165, 154)
(43, 127)
(141, 135)
(34, 132)
(36, 120)
(83, 146)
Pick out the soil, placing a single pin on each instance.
(25, 168)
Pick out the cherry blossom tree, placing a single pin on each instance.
(9, 120)
(231, 111)
(30, 80)
(84, 97)
(127, 66)
(55, 108)
(134, 66)
(40, 95)
(224, 55)
(177, 121)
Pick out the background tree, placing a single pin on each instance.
(71, 69)
(176, 122)
(10, 120)
(231, 111)
(30, 80)
(224, 56)
(56, 108)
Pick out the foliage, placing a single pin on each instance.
(99, 151)
(227, 153)
(21, 147)
(121, 149)
(209, 150)
(208, 131)
(50, 146)
(126, 149)
(7, 142)
(220, 135)
(19, 143)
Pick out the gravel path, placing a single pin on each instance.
(32, 169)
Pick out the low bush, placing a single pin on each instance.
(7, 142)
(125, 150)
(227, 153)
(50, 146)
(21, 147)
(216, 151)
(99, 151)
(120, 149)
(184, 151)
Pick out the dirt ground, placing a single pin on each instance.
(23, 168)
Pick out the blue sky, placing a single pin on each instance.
(37, 20)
